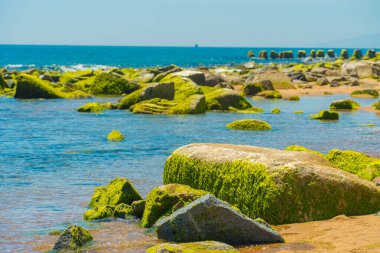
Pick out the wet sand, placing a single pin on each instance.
(341, 234)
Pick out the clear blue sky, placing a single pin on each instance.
(295, 23)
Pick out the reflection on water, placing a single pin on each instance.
(52, 157)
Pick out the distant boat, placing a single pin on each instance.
(196, 45)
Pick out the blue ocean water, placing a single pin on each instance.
(52, 157)
(24, 56)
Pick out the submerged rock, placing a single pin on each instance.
(272, 184)
(209, 218)
(249, 124)
(164, 200)
(325, 115)
(370, 93)
(94, 107)
(344, 104)
(276, 111)
(376, 105)
(72, 238)
(270, 94)
(193, 247)
(115, 135)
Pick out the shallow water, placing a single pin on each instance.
(52, 157)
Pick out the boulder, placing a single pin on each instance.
(344, 104)
(278, 79)
(94, 107)
(137, 208)
(365, 93)
(115, 135)
(298, 76)
(163, 72)
(293, 98)
(46, 78)
(213, 80)
(249, 124)
(164, 200)
(99, 213)
(254, 88)
(270, 94)
(197, 77)
(119, 190)
(325, 115)
(209, 218)
(343, 54)
(278, 186)
(31, 87)
(222, 99)
(110, 83)
(193, 247)
(72, 238)
(376, 105)
(360, 69)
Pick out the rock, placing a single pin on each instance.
(99, 213)
(319, 70)
(322, 81)
(31, 87)
(298, 76)
(273, 55)
(276, 111)
(94, 107)
(362, 165)
(252, 110)
(119, 190)
(298, 112)
(213, 80)
(356, 55)
(254, 88)
(343, 54)
(164, 200)
(293, 98)
(370, 54)
(209, 218)
(360, 69)
(193, 247)
(325, 115)
(331, 53)
(169, 70)
(122, 210)
(115, 135)
(302, 148)
(320, 53)
(137, 208)
(110, 83)
(272, 184)
(301, 54)
(313, 54)
(72, 238)
(46, 78)
(263, 54)
(270, 94)
(344, 104)
(197, 77)
(278, 79)
(376, 105)
(249, 124)
(365, 93)
(222, 99)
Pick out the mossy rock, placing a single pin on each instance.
(193, 247)
(184, 87)
(293, 98)
(115, 135)
(320, 53)
(94, 107)
(376, 105)
(281, 187)
(365, 93)
(109, 83)
(252, 88)
(164, 200)
(278, 79)
(72, 77)
(270, 94)
(298, 112)
(276, 111)
(99, 213)
(252, 110)
(370, 54)
(344, 104)
(301, 54)
(343, 54)
(302, 148)
(222, 99)
(31, 87)
(360, 164)
(119, 190)
(137, 208)
(356, 55)
(249, 124)
(325, 115)
(73, 238)
(122, 210)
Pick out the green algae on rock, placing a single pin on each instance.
(302, 148)
(278, 186)
(99, 213)
(72, 238)
(293, 98)
(344, 104)
(118, 191)
(94, 107)
(249, 124)
(325, 115)
(252, 110)
(298, 112)
(369, 92)
(109, 83)
(222, 99)
(31, 87)
(122, 210)
(193, 247)
(362, 165)
(376, 105)
(343, 54)
(115, 135)
(137, 208)
(270, 94)
(165, 199)
(276, 111)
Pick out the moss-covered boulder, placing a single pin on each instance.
(94, 107)
(118, 191)
(110, 83)
(164, 200)
(376, 105)
(252, 110)
(276, 111)
(115, 135)
(293, 98)
(250, 88)
(222, 99)
(365, 93)
(31, 87)
(325, 115)
(270, 94)
(193, 247)
(122, 210)
(99, 213)
(72, 238)
(197, 77)
(302, 148)
(344, 104)
(278, 79)
(137, 208)
(362, 165)
(278, 186)
(249, 124)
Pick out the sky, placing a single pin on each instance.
(231, 23)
